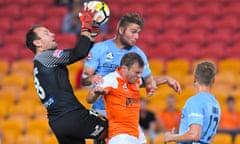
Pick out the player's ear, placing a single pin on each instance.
(37, 43)
(121, 30)
(124, 68)
(195, 79)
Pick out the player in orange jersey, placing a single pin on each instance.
(120, 90)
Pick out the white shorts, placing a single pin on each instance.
(101, 112)
(124, 139)
(141, 137)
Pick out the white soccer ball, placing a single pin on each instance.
(103, 12)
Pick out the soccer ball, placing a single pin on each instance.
(102, 14)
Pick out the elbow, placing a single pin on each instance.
(195, 136)
(90, 101)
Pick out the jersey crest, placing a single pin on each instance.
(57, 53)
(109, 56)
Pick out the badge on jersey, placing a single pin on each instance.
(109, 56)
(57, 53)
(89, 56)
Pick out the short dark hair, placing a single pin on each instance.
(31, 36)
(131, 18)
(205, 73)
(131, 58)
(230, 99)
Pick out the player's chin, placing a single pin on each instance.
(55, 45)
(132, 43)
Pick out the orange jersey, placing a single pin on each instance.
(170, 119)
(230, 120)
(122, 105)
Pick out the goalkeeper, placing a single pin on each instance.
(70, 121)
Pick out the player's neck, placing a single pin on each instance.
(202, 88)
(118, 43)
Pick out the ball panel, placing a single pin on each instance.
(102, 9)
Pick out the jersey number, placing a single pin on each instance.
(212, 124)
(40, 90)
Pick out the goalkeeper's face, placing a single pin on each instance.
(129, 35)
(46, 39)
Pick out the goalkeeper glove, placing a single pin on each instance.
(86, 16)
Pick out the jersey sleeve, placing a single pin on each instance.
(146, 69)
(195, 112)
(94, 56)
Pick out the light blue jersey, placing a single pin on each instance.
(104, 57)
(202, 109)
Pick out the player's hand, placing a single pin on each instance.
(151, 87)
(96, 79)
(168, 135)
(174, 84)
(86, 17)
(99, 90)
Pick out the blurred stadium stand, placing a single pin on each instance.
(180, 31)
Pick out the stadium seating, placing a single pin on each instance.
(28, 96)
(28, 139)
(211, 9)
(161, 9)
(237, 139)
(38, 127)
(81, 96)
(231, 9)
(181, 65)
(9, 53)
(188, 51)
(4, 67)
(46, 3)
(15, 80)
(53, 24)
(66, 40)
(22, 66)
(187, 9)
(26, 54)
(228, 21)
(202, 22)
(223, 138)
(22, 3)
(13, 11)
(191, 30)
(229, 65)
(25, 109)
(6, 25)
(37, 11)
(194, 36)
(157, 66)
(56, 11)
(12, 127)
(3, 110)
(179, 23)
(50, 139)
(233, 52)
(25, 24)
(158, 139)
(17, 37)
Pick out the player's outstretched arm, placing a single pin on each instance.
(174, 84)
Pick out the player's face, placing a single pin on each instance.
(130, 34)
(47, 39)
(134, 73)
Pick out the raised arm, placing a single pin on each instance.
(174, 84)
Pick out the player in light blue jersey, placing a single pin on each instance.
(105, 56)
(201, 113)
